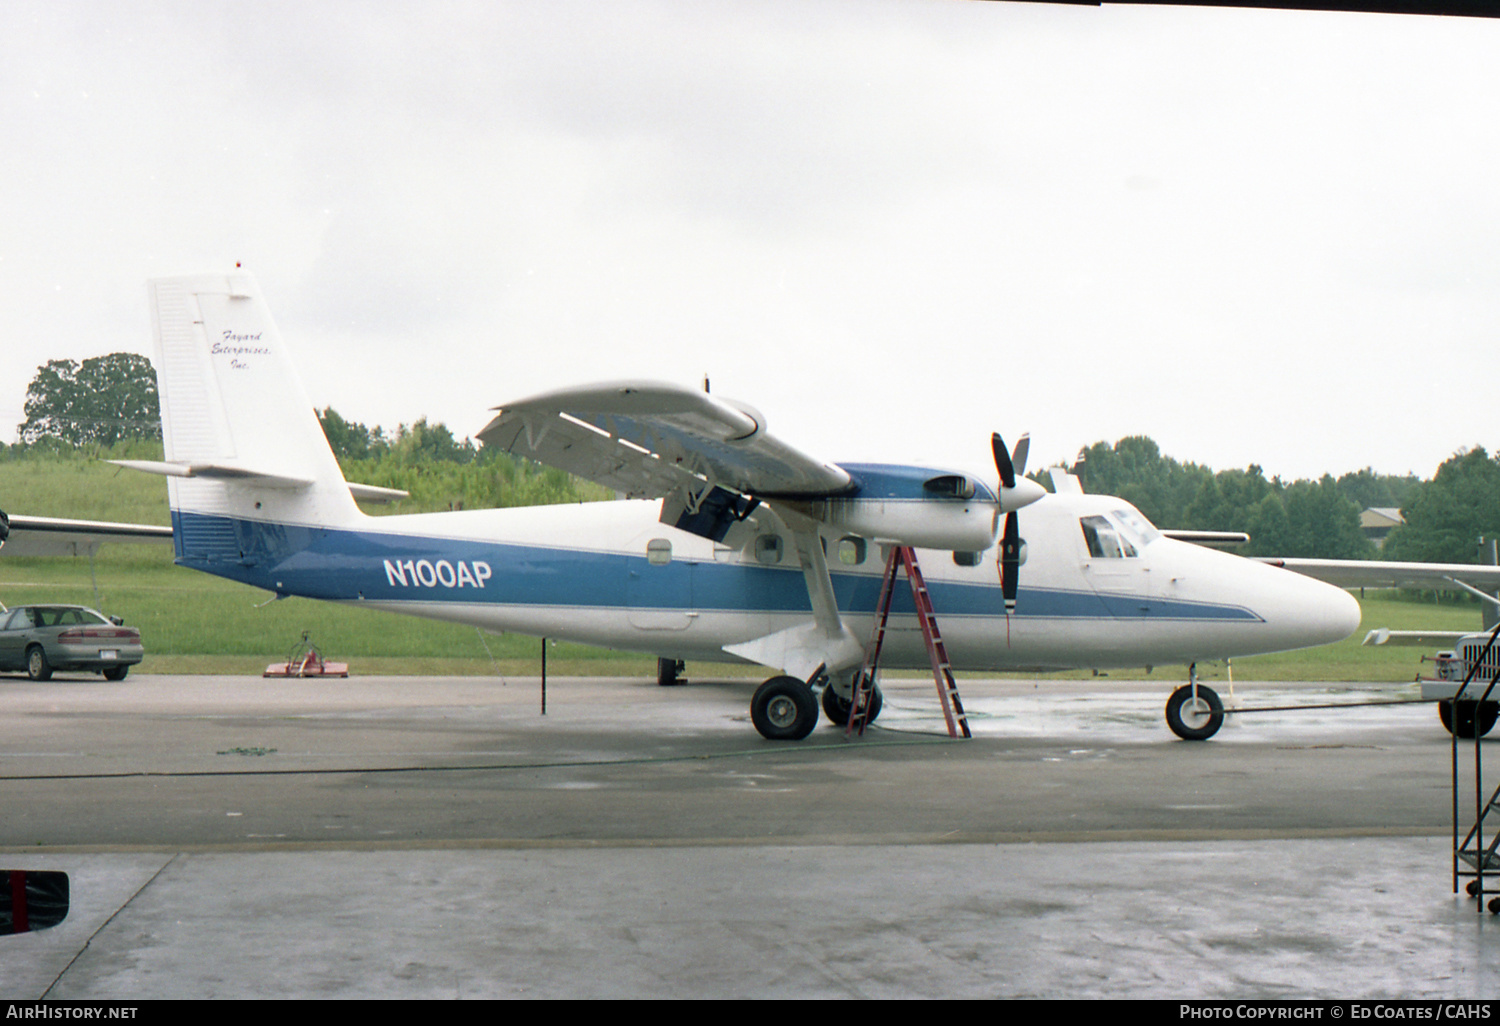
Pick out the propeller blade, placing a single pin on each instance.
(1010, 562)
(1002, 461)
(1018, 457)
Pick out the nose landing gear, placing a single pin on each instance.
(1194, 711)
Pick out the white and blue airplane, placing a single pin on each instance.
(728, 545)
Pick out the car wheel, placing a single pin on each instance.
(37, 666)
(116, 672)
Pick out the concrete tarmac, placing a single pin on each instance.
(420, 837)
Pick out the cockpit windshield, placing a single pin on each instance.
(1104, 539)
(1120, 535)
(1136, 525)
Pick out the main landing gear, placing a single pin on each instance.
(786, 708)
(1194, 711)
(836, 706)
(669, 672)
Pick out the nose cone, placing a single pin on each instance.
(1314, 613)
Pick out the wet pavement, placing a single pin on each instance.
(420, 837)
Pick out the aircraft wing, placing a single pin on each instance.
(1210, 538)
(50, 536)
(1366, 573)
(646, 439)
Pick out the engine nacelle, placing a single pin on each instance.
(955, 524)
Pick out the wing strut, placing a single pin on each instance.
(800, 650)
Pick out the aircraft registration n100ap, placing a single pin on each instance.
(730, 545)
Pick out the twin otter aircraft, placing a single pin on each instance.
(730, 546)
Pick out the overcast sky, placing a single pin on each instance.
(891, 225)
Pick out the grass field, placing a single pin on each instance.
(194, 623)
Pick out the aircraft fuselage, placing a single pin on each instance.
(1099, 587)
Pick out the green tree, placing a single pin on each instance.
(1367, 489)
(350, 441)
(431, 443)
(1322, 522)
(99, 402)
(1270, 533)
(1225, 500)
(1446, 516)
(1135, 470)
(442, 473)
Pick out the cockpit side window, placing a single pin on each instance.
(1104, 540)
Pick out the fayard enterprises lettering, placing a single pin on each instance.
(236, 344)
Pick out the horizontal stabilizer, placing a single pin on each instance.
(51, 536)
(216, 471)
(229, 472)
(375, 493)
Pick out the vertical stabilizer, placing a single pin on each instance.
(242, 440)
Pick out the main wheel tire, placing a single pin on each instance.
(836, 707)
(784, 709)
(116, 672)
(1467, 722)
(37, 667)
(1195, 720)
(667, 671)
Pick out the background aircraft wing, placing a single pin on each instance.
(50, 536)
(645, 439)
(1211, 538)
(1419, 639)
(1364, 573)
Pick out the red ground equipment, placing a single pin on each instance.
(306, 661)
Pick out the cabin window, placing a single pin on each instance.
(851, 550)
(1104, 540)
(768, 549)
(658, 552)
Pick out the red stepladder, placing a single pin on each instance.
(904, 557)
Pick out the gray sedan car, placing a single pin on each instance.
(40, 639)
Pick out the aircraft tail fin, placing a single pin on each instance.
(243, 443)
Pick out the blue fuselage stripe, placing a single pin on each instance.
(345, 565)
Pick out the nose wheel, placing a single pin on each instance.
(1194, 712)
